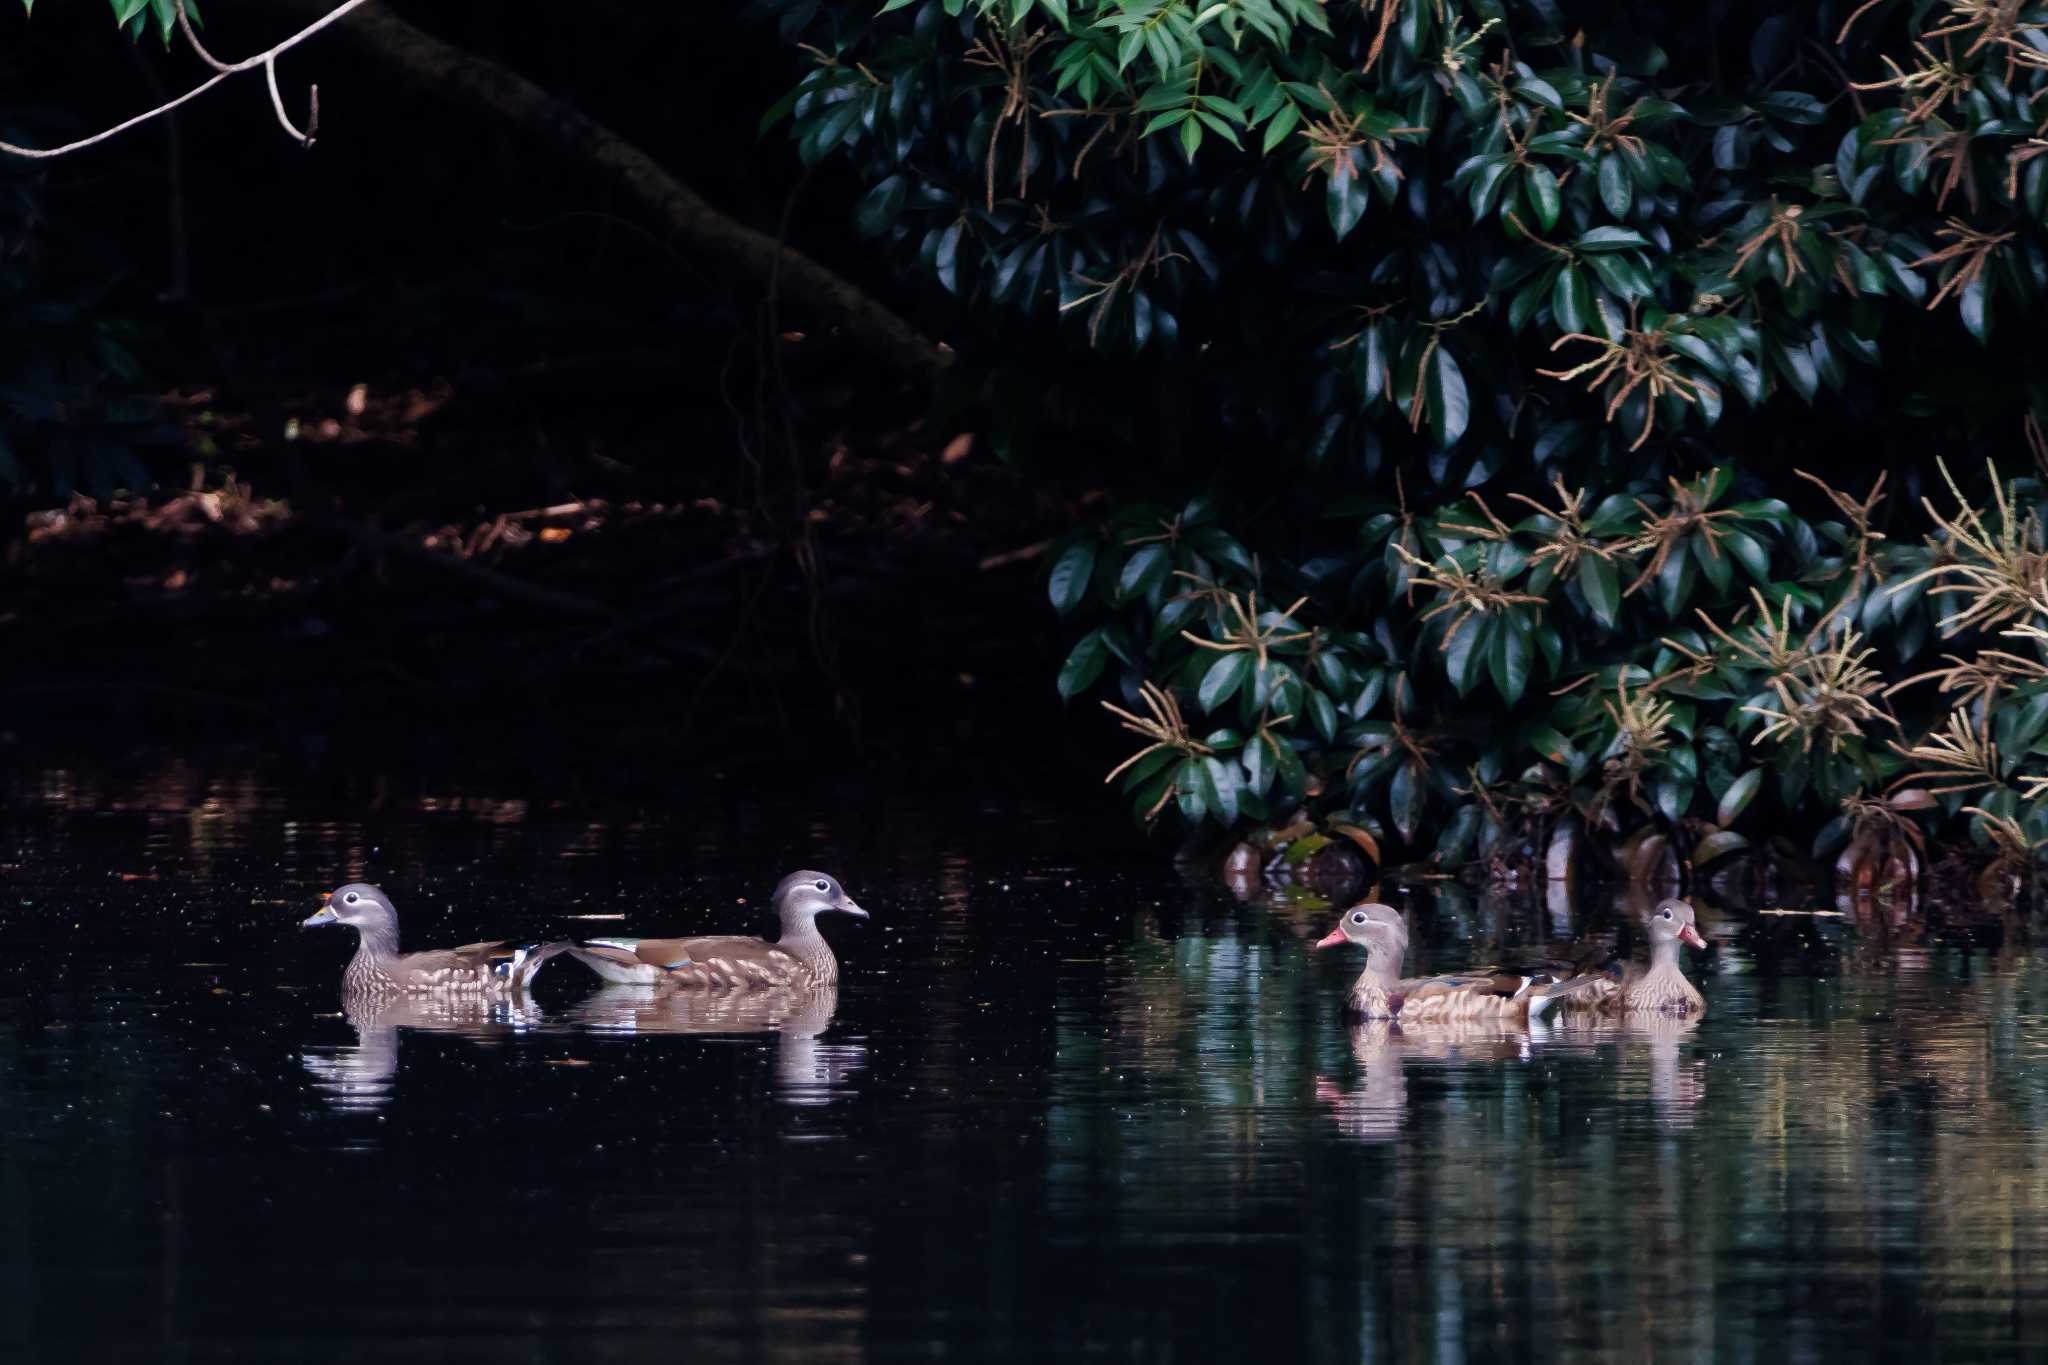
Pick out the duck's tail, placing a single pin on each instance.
(519, 963)
(1576, 992)
(615, 960)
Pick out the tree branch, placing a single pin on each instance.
(443, 69)
(267, 59)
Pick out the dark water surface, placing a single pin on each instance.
(1067, 1104)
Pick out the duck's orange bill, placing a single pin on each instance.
(1331, 939)
(1691, 935)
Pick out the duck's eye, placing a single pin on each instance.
(824, 885)
(1667, 914)
(351, 898)
(1358, 918)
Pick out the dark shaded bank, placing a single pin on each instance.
(463, 454)
(907, 619)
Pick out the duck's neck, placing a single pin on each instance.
(800, 936)
(1382, 971)
(1372, 994)
(1664, 985)
(377, 944)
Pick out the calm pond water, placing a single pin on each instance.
(1067, 1103)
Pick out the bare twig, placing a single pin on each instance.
(267, 59)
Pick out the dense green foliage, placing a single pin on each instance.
(1517, 318)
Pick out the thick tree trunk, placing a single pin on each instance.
(445, 69)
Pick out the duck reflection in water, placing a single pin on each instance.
(1375, 1107)
(360, 1077)
(808, 1071)
(1650, 1059)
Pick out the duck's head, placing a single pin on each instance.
(359, 904)
(803, 896)
(1372, 926)
(1673, 919)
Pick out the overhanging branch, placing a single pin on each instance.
(267, 59)
(443, 69)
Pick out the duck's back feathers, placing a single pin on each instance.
(720, 961)
(492, 968)
(1480, 995)
(496, 964)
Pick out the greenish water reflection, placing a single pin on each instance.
(1066, 1104)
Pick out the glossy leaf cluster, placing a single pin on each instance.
(1586, 263)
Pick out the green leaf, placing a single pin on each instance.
(1280, 125)
(1617, 190)
(1141, 770)
(1260, 766)
(1324, 714)
(1508, 660)
(1405, 798)
(1714, 562)
(1749, 552)
(1347, 197)
(1555, 747)
(1070, 574)
(1293, 775)
(1975, 301)
(1571, 301)
(1620, 273)
(1486, 185)
(1457, 836)
(1145, 569)
(1223, 679)
(1539, 188)
(1445, 398)
(1084, 665)
(1542, 92)
(1602, 586)
(879, 206)
(1738, 796)
(1197, 791)
(1674, 583)
(1611, 239)
(1794, 107)
(1224, 781)
(1465, 652)
(1717, 846)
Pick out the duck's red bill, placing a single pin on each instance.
(1691, 935)
(1331, 939)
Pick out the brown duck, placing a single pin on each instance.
(378, 969)
(800, 958)
(1660, 987)
(1382, 993)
